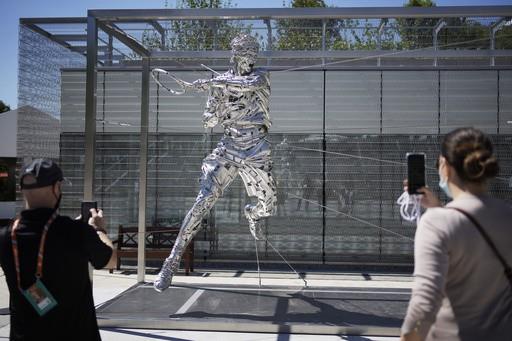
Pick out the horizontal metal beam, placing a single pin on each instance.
(83, 49)
(47, 34)
(115, 57)
(56, 38)
(334, 67)
(124, 38)
(430, 53)
(71, 37)
(64, 20)
(302, 13)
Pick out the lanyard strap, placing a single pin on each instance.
(40, 255)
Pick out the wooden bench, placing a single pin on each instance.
(159, 243)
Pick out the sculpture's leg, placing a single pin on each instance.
(259, 183)
(216, 177)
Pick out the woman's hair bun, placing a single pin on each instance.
(480, 165)
(470, 152)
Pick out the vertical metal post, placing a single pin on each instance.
(324, 149)
(110, 49)
(90, 107)
(381, 130)
(90, 112)
(495, 28)
(324, 29)
(269, 39)
(157, 148)
(163, 37)
(379, 37)
(493, 45)
(439, 26)
(438, 102)
(498, 102)
(434, 44)
(143, 163)
(214, 29)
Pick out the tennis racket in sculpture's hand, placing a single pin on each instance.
(155, 73)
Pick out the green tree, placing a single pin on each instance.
(364, 35)
(459, 33)
(416, 32)
(307, 34)
(340, 34)
(4, 107)
(463, 33)
(504, 38)
(204, 34)
(196, 35)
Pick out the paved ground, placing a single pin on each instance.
(107, 286)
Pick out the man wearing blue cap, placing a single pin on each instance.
(45, 259)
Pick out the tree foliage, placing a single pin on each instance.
(353, 34)
(4, 107)
(197, 34)
(306, 34)
(416, 32)
(348, 34)
(504, 38)
(460, 33)
(204, 34)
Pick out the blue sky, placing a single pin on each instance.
(12, 10)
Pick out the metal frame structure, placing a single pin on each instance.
(107, 20)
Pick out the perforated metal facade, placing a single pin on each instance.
(344, 115)
(339, 172)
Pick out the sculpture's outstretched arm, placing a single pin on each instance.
(200, 85)
(241, 83)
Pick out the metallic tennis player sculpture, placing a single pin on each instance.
(239, 101)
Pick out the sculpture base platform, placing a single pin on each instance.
(248, 308)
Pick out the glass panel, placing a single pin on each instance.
(363, 170)
(469, 98)
(296, 101)
(409, 102)
(352, 102)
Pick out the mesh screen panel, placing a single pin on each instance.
(339, 158)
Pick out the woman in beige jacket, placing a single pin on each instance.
(460, 289)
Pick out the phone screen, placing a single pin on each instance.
(415, 172)
(86, 209)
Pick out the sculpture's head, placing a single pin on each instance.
(244, 49)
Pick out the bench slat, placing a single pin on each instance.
(159, 241)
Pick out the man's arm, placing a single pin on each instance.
(98, 222)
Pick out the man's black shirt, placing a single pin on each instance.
(70, 246)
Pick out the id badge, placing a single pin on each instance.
(40, 298)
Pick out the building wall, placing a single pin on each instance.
(339, 137)
(8, 128)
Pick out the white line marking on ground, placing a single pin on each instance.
(189, 302)
(292, 290)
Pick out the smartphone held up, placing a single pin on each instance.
(86, 209)
(415, 172)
